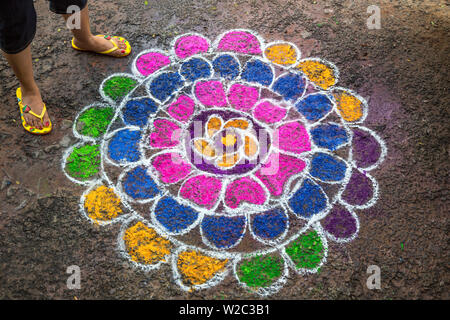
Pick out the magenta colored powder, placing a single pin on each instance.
(268, 112)
(150, 62)
(202, 190)
(277, 170)
(165, 134)
(243, 97)
(211, 93)
(292, 137)
(244, 190)
(171, 167)
(240, 42)
(182, 109)
(190, 45)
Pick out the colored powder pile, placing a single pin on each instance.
(198, 268)
(102, 204)
(84, 162)
(95, 121)
(307, 251)
(117, 87)
(260, 271)
(144, 245)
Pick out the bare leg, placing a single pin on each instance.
(22, 66)
(84, 39)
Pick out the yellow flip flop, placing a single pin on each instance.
(108, 52)
(26, 109)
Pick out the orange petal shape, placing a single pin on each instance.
(197, 268)
(319, 73)
(204, 148)
(237, 123)
(144, 245)
(214, 124)
(350, 107)
(228, 160)
(250, 147)
(283, 54)
(102, 204)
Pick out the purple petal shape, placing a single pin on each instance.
(359, 189)
(366, 149)
(340, 223)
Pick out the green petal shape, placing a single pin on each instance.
(94, 121)
(306, 251)
(260, 271)
(84, 162)
(118, 86)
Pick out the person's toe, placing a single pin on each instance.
(46, 120)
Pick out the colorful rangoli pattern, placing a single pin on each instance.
(235, 156)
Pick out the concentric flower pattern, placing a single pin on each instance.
(234, 156)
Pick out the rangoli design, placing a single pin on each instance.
(233, 157)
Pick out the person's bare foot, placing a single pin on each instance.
(99, 44)
(33, 99)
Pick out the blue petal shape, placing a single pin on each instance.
(327, 168)
(314, 106)
(136, 112)
(223, 231)
(174, 216)
(291, 86)
(308, 200)
(166, 84)
(257, 71)
(226, 66)
(270, 224)
(329, 136)
(124, 146)
(194, 69)
(139, 185)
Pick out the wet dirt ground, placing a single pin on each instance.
(402, 69)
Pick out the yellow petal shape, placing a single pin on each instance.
(319, 73)
(214, 124)
(102, 204)
(282, 54)
(204, 148)
(350, 107)
(144, 245)
(229, 140)
(250, 147)
(228, 160)
(237, 123)
(197, 268)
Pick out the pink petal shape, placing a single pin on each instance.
(292, 137)
(182, 109)
(240, 42)
(189, 45)
(243, 97)
(211, 93)
(268, 112)
(150, 62)
(165, 134)
(244, 190)
(277, 170)
(202, 190)
(171, 167)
